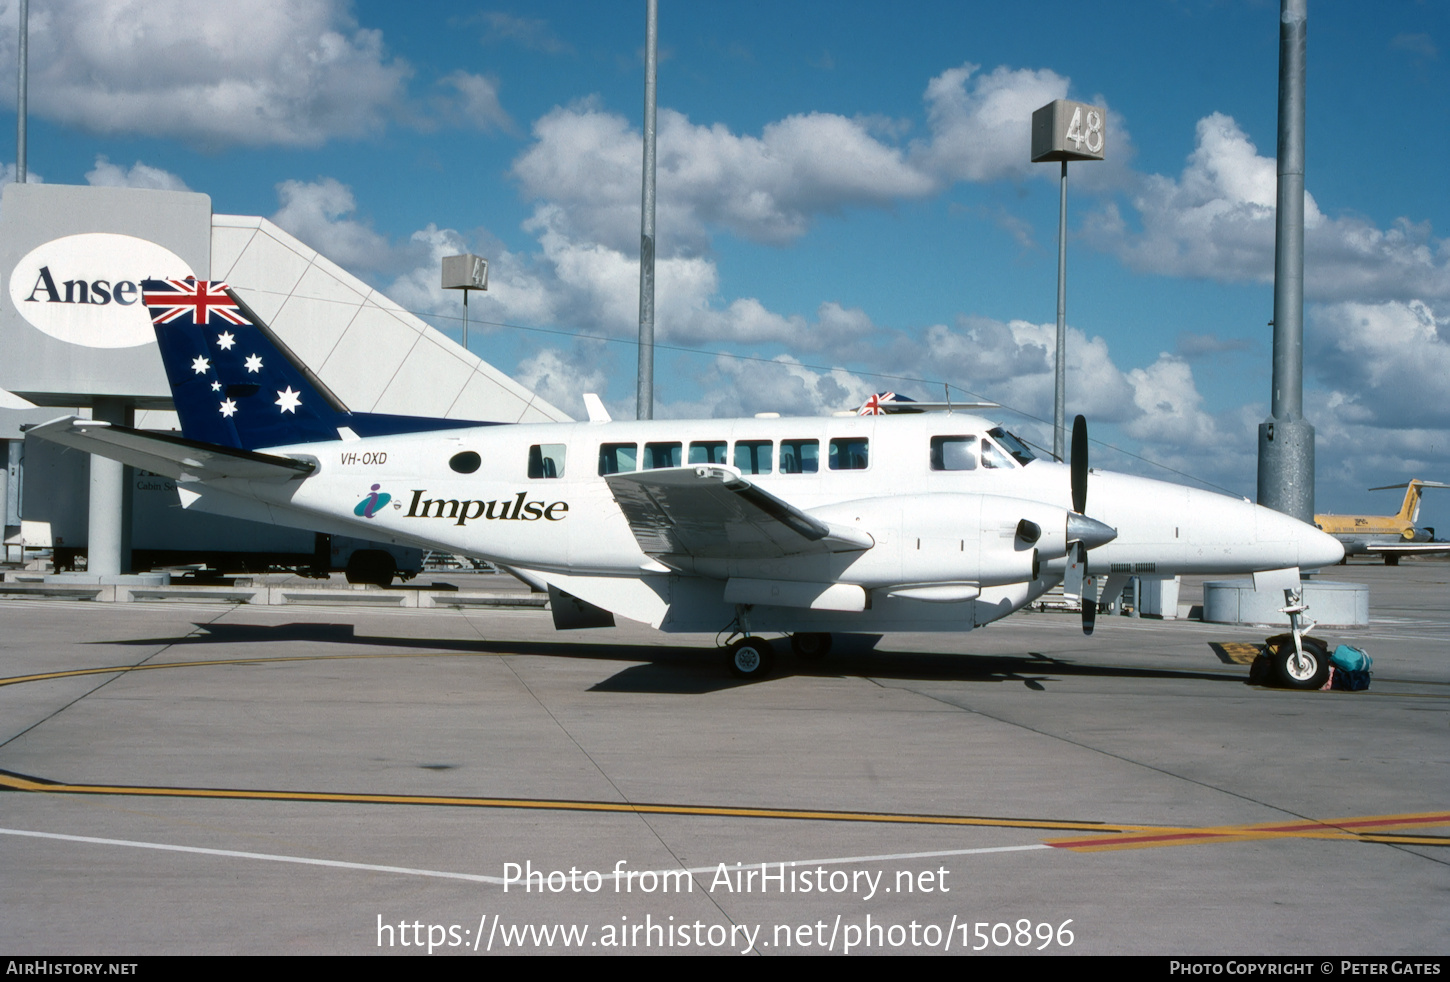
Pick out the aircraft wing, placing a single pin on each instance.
(1406, 548)
(711, 512)
(177, 458)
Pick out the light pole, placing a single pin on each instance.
(1064, 131)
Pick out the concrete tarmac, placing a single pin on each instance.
(211, 778)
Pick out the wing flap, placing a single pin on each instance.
(185, 461)
(711, 512)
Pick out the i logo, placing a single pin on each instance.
(368, 507)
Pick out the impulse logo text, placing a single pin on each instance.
(517, 509)
(368, 507)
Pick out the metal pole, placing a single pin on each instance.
(465, 320)
(1286, 440)
(645, 398)
(1059, 412)
(23, 84)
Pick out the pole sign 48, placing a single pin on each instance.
(1065, 130)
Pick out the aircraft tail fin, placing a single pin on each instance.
(1410, 510)
(236, 384)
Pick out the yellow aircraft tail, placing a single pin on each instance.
(1410, 510)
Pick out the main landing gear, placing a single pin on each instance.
(750, 658)
(810, 647)
(753, 657)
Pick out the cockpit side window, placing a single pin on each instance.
(1013, 445)
(954, 453)
(993, 457)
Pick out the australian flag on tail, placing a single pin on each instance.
(235, 384)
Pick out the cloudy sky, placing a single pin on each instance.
(845, 199)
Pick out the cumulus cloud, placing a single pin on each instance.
(739, 387)
(565, 375)
(251, 72)
(766, 188)
(472, 100)
(1216, 220)
(526, 32)
(317, 213)
(981, 125)
(108, 175)
(1383, 364)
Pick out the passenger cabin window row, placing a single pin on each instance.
(957, 452)
(750, 456)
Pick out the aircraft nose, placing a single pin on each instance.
(1318, 548)
(1312, 547)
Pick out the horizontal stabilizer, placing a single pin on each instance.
(182, 460)
(709, 511)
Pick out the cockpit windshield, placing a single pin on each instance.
(1012, 445)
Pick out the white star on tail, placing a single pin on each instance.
(225, 340)
(216, 386)
(254, 363)
(289, 400)
(229, 408)
(200, 365)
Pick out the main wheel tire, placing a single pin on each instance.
(1310, 673)
(371, 566)
(811, 646)
(750, 658)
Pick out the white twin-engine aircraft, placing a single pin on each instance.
(933, 521)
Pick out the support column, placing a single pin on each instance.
(106, 550)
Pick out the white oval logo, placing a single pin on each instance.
(86, 289)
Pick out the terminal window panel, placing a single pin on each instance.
(753, 456)
(546, 460)
(707, 452)
(850, 453)
(618, 458)
(661, 455)
(800, 456)
(954, 453)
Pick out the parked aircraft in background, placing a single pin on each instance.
(1391, 536)
(932, 521)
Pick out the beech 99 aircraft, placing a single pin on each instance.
(934, 521)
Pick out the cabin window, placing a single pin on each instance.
(753, 456)
(618, 458)
(953, 453)
(849, 453)
(546, 460)
(466, 462)
(707, 452)
(800, 456)
(661, 455)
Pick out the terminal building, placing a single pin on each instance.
(76, 338)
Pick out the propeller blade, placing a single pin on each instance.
(1089, 598)
(1079, 464)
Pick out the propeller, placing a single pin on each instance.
(1083, 533)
